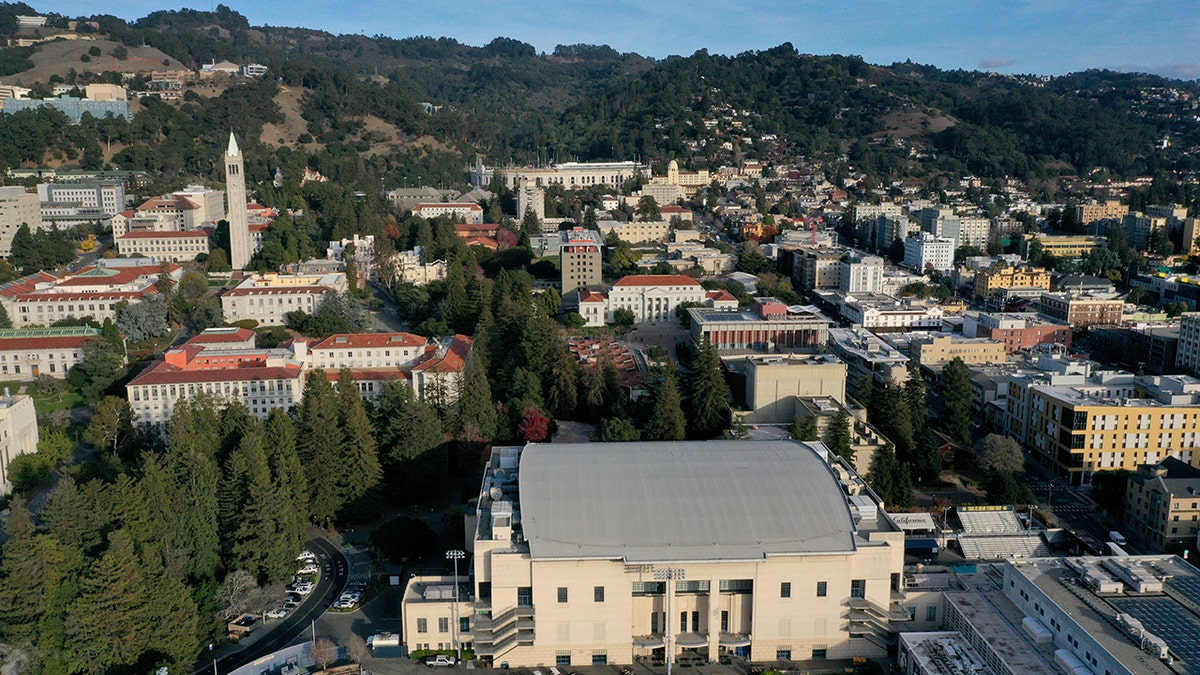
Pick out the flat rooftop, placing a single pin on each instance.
(683, 501)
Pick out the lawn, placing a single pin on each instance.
(48, 403)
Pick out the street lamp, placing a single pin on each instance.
(456, 555)
(669, 575)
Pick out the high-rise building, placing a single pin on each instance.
(235, 192)
(582, 254)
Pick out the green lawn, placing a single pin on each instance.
(45, 404)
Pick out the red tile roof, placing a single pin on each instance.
(75, 297)
(142, 234)
(119, 276)
(720, 295)
(454, 205)
(161, 373)
(452, 361)
(25, 284)
(22, 344)
(656, 280)
(369, 340)
(239, 335)
(592, 296)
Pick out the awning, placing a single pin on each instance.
(687, 640)
(734, 640)
(648, 642)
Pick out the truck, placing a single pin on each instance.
(1116, 538)
(440, 661)
(383, 640)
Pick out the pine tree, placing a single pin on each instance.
(915, 400)
(838, 436)
(407, 427)
(884, 474)
(288, 481)
(562, 383)
(191, 463)
(254, 539)
(114, 587)
(318, 443)
(708, 395)
(664, 419)
(956, 396)
(358, 473)
(476, 412)
(806, 429)
(5, 320)
(929, 461)
(22, 578)
(172, 616)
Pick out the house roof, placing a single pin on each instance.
(368, 374)
(656, 280)
(592, 296)
(681, 501)
(276, 290)
(369, 340)
(448, 205)
(8, 344)
(222, 336)
(720, 295)
(162, 373)
(452, 360)
(25, 284)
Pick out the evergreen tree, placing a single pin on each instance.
(318, 442)
(115, 586)
(915, 400)
(22, 254)
(406, 426)
(708, 395)
(288, 478)
(806, 429)
(838, 436)
(5, 320)
(956, 396)
(475, 410)
(562, 383)
(77, 514)
(616, 430)
(929, 460)
(102, 365)
(172, 616)
(192, 445)
(22, 578)
(664, 418)
(357, 473)
(885, 474)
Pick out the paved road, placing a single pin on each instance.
(334, 571)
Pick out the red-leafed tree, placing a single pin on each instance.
(534, 427)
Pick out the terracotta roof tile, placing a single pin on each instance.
(656, 280)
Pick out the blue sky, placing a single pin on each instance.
(1015, 36)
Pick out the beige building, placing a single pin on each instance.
(929, 350)
(773, 383)
(18, 433)
(1162, 505)
(267, 298)
(1063, 246)
(1081, 310)
(470, 212)
(17, 208)
(636, 232)
(990, 281)
(773, 550)
(42, 299)
(28, 353)
(1089, 213)
(168, 246)
(581, 259)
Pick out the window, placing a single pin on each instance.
(931, 613)
(725, 621)
(785, 589)
(600, 659)
(598, 594)
(464, 624)
(822, 589)
(783, 654)
(683, 622)
(562, 593)
(422, 625)
(525, 596)
(653, 623)
(443, 625)
(562, 659)
(819, 652)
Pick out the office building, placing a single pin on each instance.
(1081, 310)
(1017, 331)
(42, 299)
(566, 174)
(787, 556)
(164, 246)
(106, 196)
(774, 382)
(1062, 246)
(767, 326)
(924, 251)
(28, 353)
(267, 298)
(17, 208)
(1162, 505)
(867, 356)
(73, 108)
(581, 260)
(932, 350)
(989, 282)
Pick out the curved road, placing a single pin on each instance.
(334, 573)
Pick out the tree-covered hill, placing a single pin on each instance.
(507, 102)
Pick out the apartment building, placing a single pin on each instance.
(1162, 505)
(17, 208)
(1110, 209)
(581, 259)
(1063, 246)
(260, 379)
(1187, 356)
(18, 433)
(860, 273)
(1017, 331)
(29, 353)
(867, 357)
(924, 251)
(931, 350)
(788, 556)
(1139, 227)
(818, 268)
(635, 231)
(164, 246)
(989, 282)
(1081, 310)
(267, 298)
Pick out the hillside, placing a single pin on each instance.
(352, 103)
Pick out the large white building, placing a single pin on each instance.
(470, 212)
(267, 298)
(653, 298)
(29, 353)
(107, 196)
(17, 208)
(772, 550)
(860, 273)
(566, 174)
(164, 246)
(41, 299)
(924, 251)
(18, 433)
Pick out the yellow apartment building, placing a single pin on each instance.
(929, 350)
(988, 282)
(1162, 505)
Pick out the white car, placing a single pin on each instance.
(277, 613)
(345, 604)
(303, 589)
(307, 556)
(310, 568)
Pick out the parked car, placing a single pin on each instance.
(304, 589)
(307, 556)
(310, 568)
(277, 613)
(440, 661)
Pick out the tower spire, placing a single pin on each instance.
(233, 150)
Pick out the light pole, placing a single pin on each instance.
(669, 575)
(456, 555)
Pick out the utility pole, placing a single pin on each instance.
(670, 575)
(456, 555)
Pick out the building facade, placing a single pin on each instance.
(241, 248)
(768, 326)
(28, 353)
(470, 212)
(924, 251)
(164, 246)
(18, 433)
(930, 350)
(756, 564)
(1081, 311)
(1162, 505)
(17, 208)
(989, 282)
(1017, 331)
(267, 298)
(581, 260)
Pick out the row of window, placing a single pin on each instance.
(464, 625)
